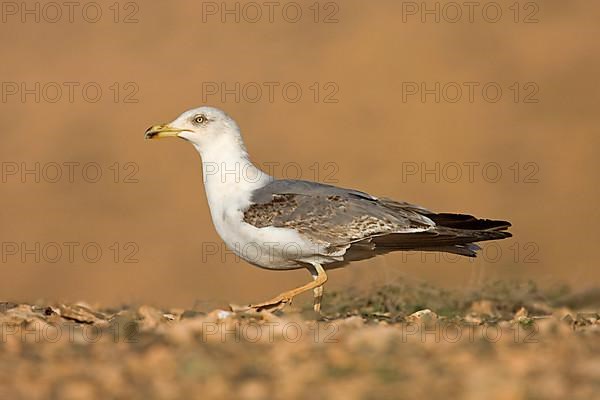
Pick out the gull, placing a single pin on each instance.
(285, 224)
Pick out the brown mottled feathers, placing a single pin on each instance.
(343, 217)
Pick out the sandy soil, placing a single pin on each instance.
(506, 341)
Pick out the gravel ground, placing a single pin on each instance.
(504, 341)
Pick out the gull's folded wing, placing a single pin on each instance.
(338, 217)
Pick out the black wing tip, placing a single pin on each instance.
(501, 234)
(498, 225)
(468, 222)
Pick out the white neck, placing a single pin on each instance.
(229, 175)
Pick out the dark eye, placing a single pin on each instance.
(199, 119)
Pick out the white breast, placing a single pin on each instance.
(230, 179)
(269, 247)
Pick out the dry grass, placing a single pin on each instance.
(504, 341)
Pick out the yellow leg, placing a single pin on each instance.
(284, 298)
(318, 296)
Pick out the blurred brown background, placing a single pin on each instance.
(547, 131)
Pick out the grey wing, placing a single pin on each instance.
(366, 225)
(294, 186)
(329, 214)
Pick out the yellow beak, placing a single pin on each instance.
(162, 131)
